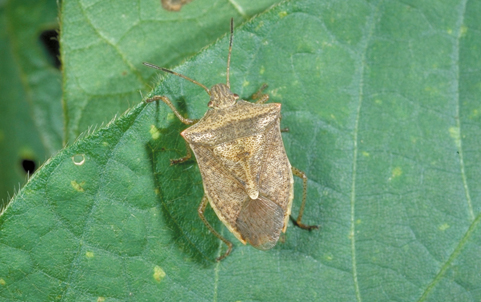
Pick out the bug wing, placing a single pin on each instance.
(226, 195)
(275, 179)
(260, 222)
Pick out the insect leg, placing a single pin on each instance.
(203, 205)
(181, 118)
(259, 96)
(188, 156)
(298, 222)
(169, 103)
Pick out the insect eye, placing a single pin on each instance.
(236, 96)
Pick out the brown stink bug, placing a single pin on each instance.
(247, 177)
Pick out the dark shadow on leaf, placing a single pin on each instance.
(180, 191)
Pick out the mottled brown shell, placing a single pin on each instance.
(246, 173)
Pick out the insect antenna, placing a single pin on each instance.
(230, 49)
(177, 74)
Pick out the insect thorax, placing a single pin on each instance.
(221, 97)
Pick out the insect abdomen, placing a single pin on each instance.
(260, 223)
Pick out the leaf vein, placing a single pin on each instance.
(361, 68)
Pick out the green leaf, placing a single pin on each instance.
(104, 44)
(382, 100)
(30, 110)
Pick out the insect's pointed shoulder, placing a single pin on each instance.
(252, 110)
(240, 120)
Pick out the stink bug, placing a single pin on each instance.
(247, 177)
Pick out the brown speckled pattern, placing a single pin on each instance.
(241, 155)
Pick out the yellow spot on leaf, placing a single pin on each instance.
(456, 135)
(473, 115)
(2, 282)
(378, 101)
(366, 154)
(444, 227)
(159, 273)
(262, 70)
(429, 89)
(397, 172)
(450, 31)
(246, 83)
(275, 92)
(89, 254)
(358, 221)
(464, 30)
(282, 14)
(170, 116)
(78, 186)
(100, 299)
(154, 132)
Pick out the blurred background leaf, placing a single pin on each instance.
(31, 127)
(382, 100)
